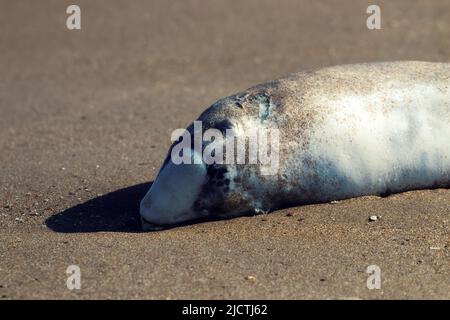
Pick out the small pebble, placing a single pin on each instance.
(19, 220)
(334, 202)
(250, 278)
(373, 218)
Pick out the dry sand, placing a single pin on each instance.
(85, 122)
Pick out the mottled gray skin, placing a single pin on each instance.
(325, 152)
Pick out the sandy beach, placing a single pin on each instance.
(86, 118)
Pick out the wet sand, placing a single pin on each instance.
(85, 123)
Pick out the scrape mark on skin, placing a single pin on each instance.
(263, 102)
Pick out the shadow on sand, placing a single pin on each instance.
(117, 211)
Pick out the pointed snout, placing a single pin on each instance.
(171, 197)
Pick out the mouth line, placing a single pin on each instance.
(149, 226)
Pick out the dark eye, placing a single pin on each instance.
(224, 125)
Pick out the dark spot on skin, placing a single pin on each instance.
(220, 174)
(216, 172)
(215, 196)
(211, 171)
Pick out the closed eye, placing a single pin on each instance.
(224, 125)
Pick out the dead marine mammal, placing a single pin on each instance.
(344, 131)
